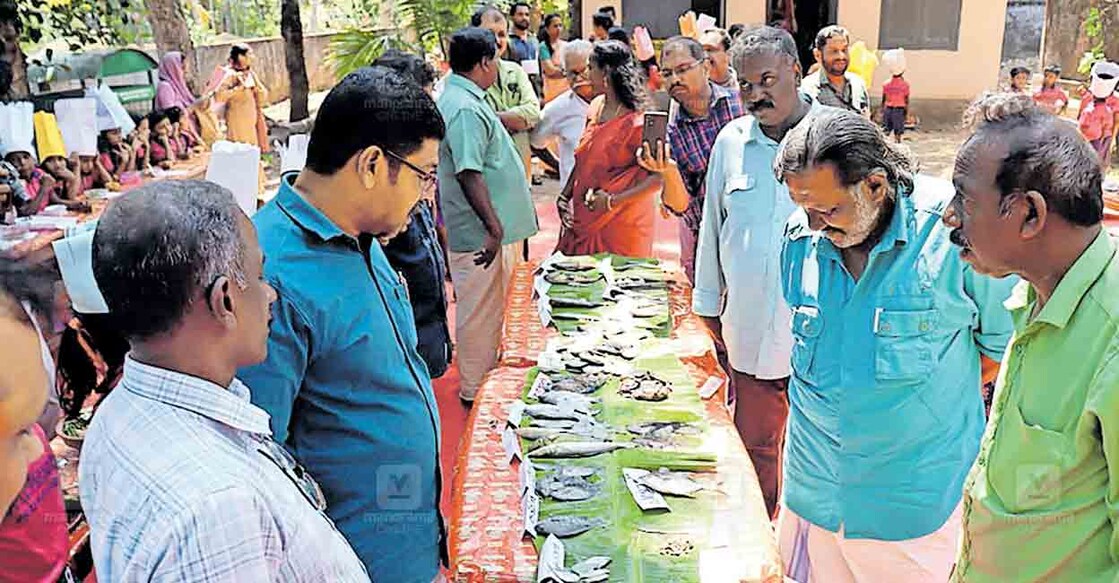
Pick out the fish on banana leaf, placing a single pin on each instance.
(576, 449)
(567, 526)
(672, 483)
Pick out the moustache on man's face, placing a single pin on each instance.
(958, 239)
(759, 105)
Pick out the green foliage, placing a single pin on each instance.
(356, 48)
(433, 21)
(82, 23)
(1094, 31)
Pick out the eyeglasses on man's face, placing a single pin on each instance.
(427, 179)
(680, 71)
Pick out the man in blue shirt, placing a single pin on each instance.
(344, 384)
(889, 326)
(737, 283)
(522, 45)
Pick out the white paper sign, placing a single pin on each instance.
(710, 387)
(541, 385)
(552, 557)
(530, 506)
(516, 412)
(531, 66)
(77, 119)
(237, 167)
(512, 444)
(528, 476)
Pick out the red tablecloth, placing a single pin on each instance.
(485, 518)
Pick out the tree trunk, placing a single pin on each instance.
(292, 29)
(169, 27)
(1063, 41)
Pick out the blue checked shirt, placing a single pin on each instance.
(177, 486)
(692, 139)
(885, 412)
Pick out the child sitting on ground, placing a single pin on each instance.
(163, 150)
(1051, 97)
(117, 157)
(895, 100)
(37, 183)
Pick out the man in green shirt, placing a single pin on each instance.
(485, 202)
(1042, 501)
(512, 95)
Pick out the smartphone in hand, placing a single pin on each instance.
(655, 131)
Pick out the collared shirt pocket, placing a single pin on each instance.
(903, 344)
(1028, 462)
(738, 183)
(807, 324)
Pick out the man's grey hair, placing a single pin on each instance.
(577, 49)
(161, 246)
(485, 15)
(1043, 153)
(854, 145)
(762, 40)
(829, 32)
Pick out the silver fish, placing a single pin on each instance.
(576, 449)
(568, 399)
(591, 565)
(553, 423)
(573, 492)
(542, 411)
(671, 483)
(567, 526)
(534, 433)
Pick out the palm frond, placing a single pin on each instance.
(353, 49)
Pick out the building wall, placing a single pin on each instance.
(270, 65)
(960, 74)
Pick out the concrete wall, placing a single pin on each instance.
(1025, 20)
(734, 11)
(960, 74)
(269, 63)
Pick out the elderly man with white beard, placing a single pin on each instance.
(890, 326)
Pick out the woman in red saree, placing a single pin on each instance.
(609, 203)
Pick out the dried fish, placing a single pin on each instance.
(568, 399)
(534, 433)
(567, 526)
(566, 302)
(581, 263)
(645, 387)
(585, 567)
(543, 411)
(595, 576)
(576, 449)
(574, 492)
(576, 278)
(672, 483)
(553, 423)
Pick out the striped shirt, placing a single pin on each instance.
(692, 139)
(181, 481)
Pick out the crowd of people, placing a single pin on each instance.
(276, 419)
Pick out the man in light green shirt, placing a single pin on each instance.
(1042, 501)
(485, 201)
(512, 95)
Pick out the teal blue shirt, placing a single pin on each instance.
(477, 141)
(885, 412)
(347, 390)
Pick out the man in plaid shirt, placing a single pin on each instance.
(701, 110)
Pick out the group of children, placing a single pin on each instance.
(160, 138)
(1098, 115)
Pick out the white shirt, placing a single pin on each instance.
(563, 118)
(181, 481)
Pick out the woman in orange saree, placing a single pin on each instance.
(609, 203)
